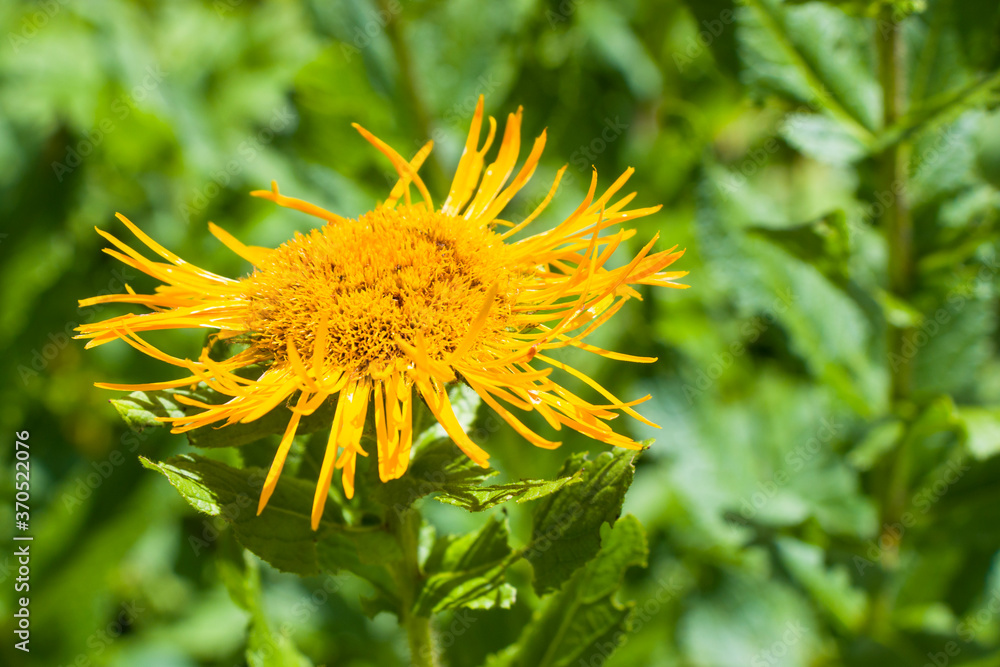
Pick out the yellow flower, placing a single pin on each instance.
(407, 297)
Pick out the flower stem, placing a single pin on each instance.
(408, 83)
(408, 575)
(897, 224)
(421, 638)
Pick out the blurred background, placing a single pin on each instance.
(824, 490)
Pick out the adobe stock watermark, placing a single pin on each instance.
(57, 341)
(583, 157)
(779, 648)
(884, 199)
(562, 12)
(101, 471)
(376, 24)
(754, 161)
(794, 462)
(750, 333)
(887, 545)
(967, 631)
(454, 116)
(243, 504)
(930, 326)
(101, 639)
(246, 152)
(121, 108)
(34, 22)
(667, 591)
(301, 611)
(697, 45)
(431, 481)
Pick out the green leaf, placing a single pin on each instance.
(952, 345)
(282, 534)
(897, 311)
(467, 571)
(824, 243)
(479, 498)
(982, 430)
(362, 551)
(265, 647)
(717, 17)
(879, 441)
(140, 410)
(826, 327)
(584, 621)
(944, 161)
(943, 77)
(437, 466)
(748, 620)
(823, 138)
(813, 54)
(935, 417)
(566, 526)
(614, 41)
(831, 587)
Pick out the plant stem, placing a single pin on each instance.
(420, 636)
(411, 95)
(896, 218)
(408, 575)
(897, 224)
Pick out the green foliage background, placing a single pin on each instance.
(824, 489)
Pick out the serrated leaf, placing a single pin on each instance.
(823, 138)
(282, 534)
(467, 571)
(566, 526)
(826, 327)
(813, 54)
(265, 647)
(436, 466)
(824, 243)
(437, 463)
(944, 161)
(140, 410)
(464, 401)
(582, 622)
(364, 552)
(743, 618)
(480, 498)
(830, 587)
(952, 346)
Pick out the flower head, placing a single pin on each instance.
(401, 302)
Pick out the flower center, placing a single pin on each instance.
(403, 272)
